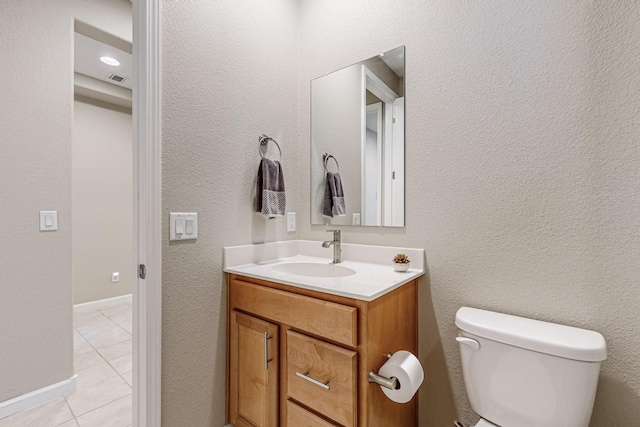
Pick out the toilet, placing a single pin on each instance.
(522, 372)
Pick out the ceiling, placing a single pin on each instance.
(87, 61)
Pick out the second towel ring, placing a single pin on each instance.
(264, 141)
(325, 160)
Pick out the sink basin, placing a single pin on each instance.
(314, 269)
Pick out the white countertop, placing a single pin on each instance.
(370, 281)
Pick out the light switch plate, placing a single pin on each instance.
(356, 219)
(48, 220)
(183, 226)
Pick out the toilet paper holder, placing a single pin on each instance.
(391, 383)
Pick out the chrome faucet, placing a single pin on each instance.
(337, 250)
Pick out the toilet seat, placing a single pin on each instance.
(485, 423)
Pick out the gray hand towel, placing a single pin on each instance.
(333, 201)
(270, 195)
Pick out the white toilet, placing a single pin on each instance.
(526, 373)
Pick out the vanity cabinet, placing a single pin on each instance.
(299, 358)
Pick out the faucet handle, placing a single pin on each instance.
(336, 233)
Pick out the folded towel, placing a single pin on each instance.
(270, 196)
(333, 201)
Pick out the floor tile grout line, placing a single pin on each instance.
(102, 406)
(105, 316)
(95, 310)
(124, 379)
(96, 349)
(108, 363)
(114, 323)
(105, 360)
(87, 341)
(121, 375)
(69, 406)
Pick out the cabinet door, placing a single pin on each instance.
(253, 371)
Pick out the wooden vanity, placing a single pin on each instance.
(301, 358)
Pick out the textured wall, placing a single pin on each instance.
(523, 169)
(102, 193)
(35, 171)
(229, 74)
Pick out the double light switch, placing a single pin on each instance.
(183, 226)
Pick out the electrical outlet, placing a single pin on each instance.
(115, 277)
(291, 221)
(356, 219)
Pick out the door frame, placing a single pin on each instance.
(147, 206)
(375, 85)
(364, 217)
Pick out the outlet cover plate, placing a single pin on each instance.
(291, 221)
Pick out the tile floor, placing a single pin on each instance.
(103, 363)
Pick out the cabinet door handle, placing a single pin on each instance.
(266, 351)
(306, 376)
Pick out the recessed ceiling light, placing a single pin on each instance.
(110, 61)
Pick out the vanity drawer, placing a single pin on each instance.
(323, 377)
(298, 417)
(330, 320)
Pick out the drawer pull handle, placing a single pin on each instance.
(306, 376)
(266, 351)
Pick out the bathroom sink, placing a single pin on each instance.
(314, 269)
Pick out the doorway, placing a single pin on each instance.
(36, 177)
(103, 270)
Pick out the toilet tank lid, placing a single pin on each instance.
(544, 337)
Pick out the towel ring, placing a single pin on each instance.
(325, 160)
(264, 141)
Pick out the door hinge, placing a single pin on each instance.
(142, 271)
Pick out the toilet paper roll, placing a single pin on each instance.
(407, 369)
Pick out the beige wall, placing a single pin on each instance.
(35, 171)
(102, 200)
(522, 171)
(229, 73)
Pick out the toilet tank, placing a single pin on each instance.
(528, 373)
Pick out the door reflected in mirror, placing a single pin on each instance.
(357, 119)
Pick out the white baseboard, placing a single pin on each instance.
(107, 301)
(37, 397)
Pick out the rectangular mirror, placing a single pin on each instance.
(357, 143)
